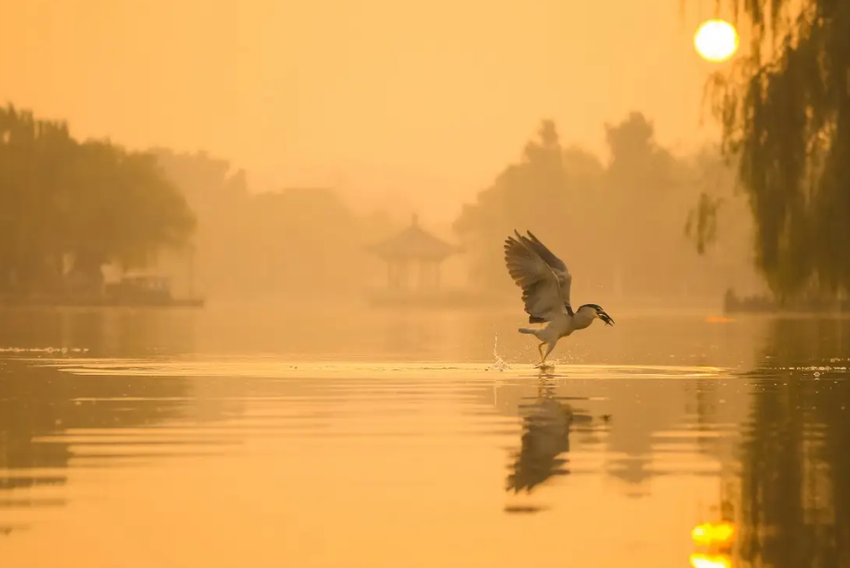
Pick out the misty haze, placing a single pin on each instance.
(375, 284)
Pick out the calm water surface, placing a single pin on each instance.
(265, 437)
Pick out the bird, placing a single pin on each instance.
(545, 281)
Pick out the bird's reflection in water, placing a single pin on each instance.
(545, 439)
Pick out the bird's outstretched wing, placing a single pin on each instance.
(565, 279)
(541, 288)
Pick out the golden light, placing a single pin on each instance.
(716, 40)
(721, 534)
(710, 561)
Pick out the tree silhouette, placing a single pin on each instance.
(785, 110)
(92, 203)
(620, 225)
(539, 192)
(638, 163)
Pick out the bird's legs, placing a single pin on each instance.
(549, 348)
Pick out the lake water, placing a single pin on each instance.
(268, 437)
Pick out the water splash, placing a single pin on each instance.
(499, 363)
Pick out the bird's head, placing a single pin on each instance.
(603, 315)
(599, 312)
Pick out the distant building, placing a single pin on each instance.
(414, 258)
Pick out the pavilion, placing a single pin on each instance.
(413, 254)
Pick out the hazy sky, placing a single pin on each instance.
(432, 97)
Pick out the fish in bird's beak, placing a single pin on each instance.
(606, 318)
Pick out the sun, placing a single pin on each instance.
(716, 40)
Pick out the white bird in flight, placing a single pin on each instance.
(545, 281)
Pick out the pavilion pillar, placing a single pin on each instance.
(396, 274)
(403, 274)
(424, 274)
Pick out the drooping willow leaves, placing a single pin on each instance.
(701, 225)
(785, 111)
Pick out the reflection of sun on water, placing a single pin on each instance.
(716, 40)
(710, 561)
(718, 536)
(714, 534)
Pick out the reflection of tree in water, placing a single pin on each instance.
(40, 401)
(37, 401)
(704, 413)
(795, 483)
(546, 430)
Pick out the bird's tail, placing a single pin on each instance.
(527, 331)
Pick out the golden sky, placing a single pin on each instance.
(426, 96)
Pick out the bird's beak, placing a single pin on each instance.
(606, 318)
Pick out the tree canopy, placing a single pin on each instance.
(785, 111)
(80, 203)
(529, 193)
(619, 224)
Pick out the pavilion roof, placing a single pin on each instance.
(414, 243)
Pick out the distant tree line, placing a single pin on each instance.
(67, 208)
(625, 225)
(296, 244)
(621, 225)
